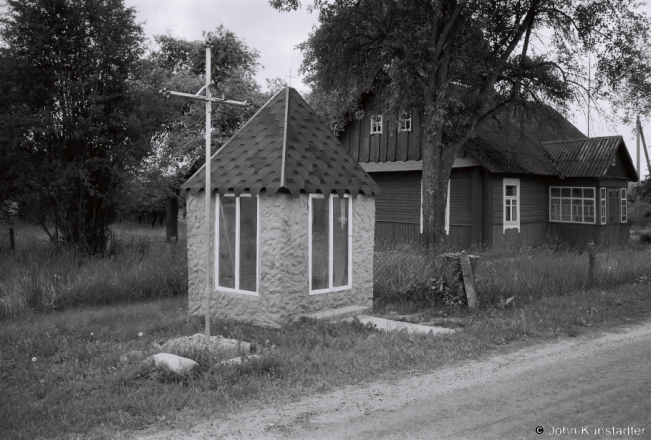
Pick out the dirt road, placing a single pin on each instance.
(595, 386)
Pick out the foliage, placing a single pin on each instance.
(69, 131)
(176, 144)
(462, 62)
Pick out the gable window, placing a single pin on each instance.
(404, 123)
(572, 205)
(511, 190)
(330, 242)
(602, 193)
(236, 243)
(624, 206)
(376, 124)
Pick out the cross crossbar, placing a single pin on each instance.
(204, 98)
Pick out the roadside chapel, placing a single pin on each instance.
(293, 223)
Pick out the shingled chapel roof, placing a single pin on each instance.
(284, 145)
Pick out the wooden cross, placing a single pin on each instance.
(208, 100)
(290, 76)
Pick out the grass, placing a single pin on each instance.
(78, 386)
(533, 273)
(37, 277)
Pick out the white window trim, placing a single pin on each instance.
(237, 247)
(583, 198)
(376, 120)
(330, 245)
(604, 211)
(447, 209)
(623, 217)
(402, 121)
(511, 224)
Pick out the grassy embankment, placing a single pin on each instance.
(61, 374)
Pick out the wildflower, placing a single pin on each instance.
(34, 359)
(42, 381)
(92, 334)
(140, 335)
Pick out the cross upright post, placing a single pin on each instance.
(208, 100)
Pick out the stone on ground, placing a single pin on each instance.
(390, 325)
(173, 363)
(224, 347)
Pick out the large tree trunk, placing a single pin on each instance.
(437, 165)
(172, 219)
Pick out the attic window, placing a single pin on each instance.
(614, 161)
(376, 124)
(404, 123)
(236, 244)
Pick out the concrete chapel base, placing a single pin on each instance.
(283, 292)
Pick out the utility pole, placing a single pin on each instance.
(208, 99)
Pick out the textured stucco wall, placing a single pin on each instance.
(284, 292)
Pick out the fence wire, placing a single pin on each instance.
(527, 272)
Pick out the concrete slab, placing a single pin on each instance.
(340, 313)
(388, 325)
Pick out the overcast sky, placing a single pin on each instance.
(275, 35)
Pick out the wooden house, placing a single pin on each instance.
(292, 223)
(520, 181)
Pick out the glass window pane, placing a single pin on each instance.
(340, 241)
(566, 192)
(577, 192)
(556, 192)
(320, 232)
(588, 193)
(514, 212)
(511, 190)
(577, 214)
(226, 277)
(248, 243)
(565, 210)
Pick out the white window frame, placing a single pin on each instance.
(376, 124)
(404, 123)
(604, 212)
(510, 224)
(237, 247)
(330, 244)
(447, 209)
(594, 199)
(623, 209)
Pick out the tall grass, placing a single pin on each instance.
(530, 273)
(38, 277)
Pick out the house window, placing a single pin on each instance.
(447, 209)
(603, 205)
(376, 124)
(404, 123)
(572, 205)
(330, 240)
(511, 204)
(624, 206)
(236, 243)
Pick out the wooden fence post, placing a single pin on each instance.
(12, 242)
(591, 264)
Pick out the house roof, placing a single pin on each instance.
(284, 145)
(590, 157)
(512, 143)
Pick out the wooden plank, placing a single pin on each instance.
(458, 238)
(374, 153)
(384, 140)
(487, 208)
(403, 145)
(392, 145)
(396, 232)
(469, 281)
(476, 202)
(392, 166)
(354, 139)
(364, 137)
(413, 149)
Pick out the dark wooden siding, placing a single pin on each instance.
(530, 234)
(574, 233)
(396, 232)
(460, 198)
(388, 146)
(399, 199)
(618, 171)
(533, 199)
